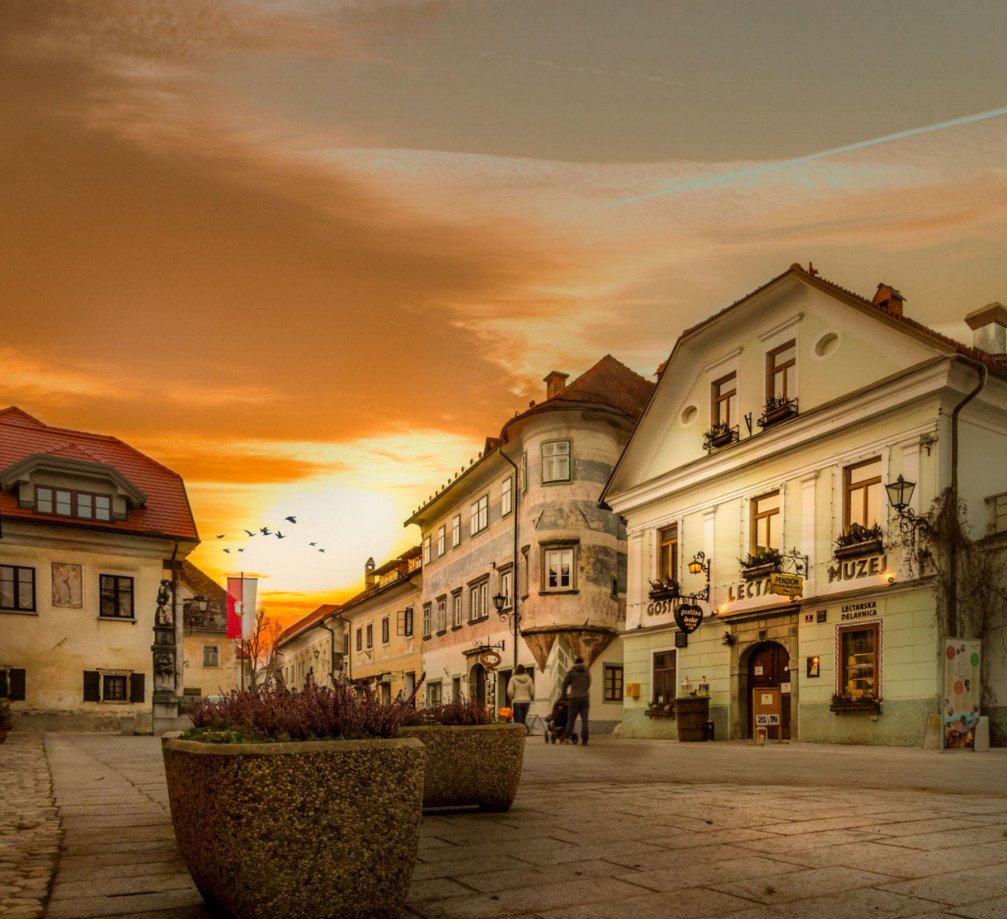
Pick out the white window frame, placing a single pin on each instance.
(479, 600)
(427, 615)
(441, 541)
(479, 515)
(457, 614)
(442, 614)
(427, 550)
(507, 496)
(559, 551)
(456, 531)
(211, 655)
(556, 461)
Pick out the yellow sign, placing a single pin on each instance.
(786, 585)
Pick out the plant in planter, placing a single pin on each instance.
(760, 564)
(660, 709)
(6, 722)
(845, 702)
(859, 540)
(469, 760)
(664, 590)
(298, 804)
(777, 408)
(720, 434)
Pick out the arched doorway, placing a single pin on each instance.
(769, 668)
(477, 685)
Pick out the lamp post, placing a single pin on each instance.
(900, 493)
(512, 615)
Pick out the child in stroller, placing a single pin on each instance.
(556, 721)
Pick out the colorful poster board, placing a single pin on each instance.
(962, 661)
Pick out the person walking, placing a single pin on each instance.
(520, 692)
(578, 682)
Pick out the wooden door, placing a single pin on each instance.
(768, 667)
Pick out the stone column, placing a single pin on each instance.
(164, 655)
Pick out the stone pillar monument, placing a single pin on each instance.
(164, 653)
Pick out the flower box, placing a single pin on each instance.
(859, 549)
(870, 706)
(775, 412)
(756, 572)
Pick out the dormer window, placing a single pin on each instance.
(63, 502)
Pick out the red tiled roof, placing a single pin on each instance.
(306, 622)
(165, 512)
(201, 584)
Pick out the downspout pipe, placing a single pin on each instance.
(953, 560)
(514, 611)
(332, 648)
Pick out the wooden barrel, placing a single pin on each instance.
(692, 713)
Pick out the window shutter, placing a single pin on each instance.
(92, 686)
(136, 687)
(400, 622)
(16, 687)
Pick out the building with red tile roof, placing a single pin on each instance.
(93, 534)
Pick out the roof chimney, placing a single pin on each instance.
(888, 300)
(989, 328)
(554, 382)
(369, 573)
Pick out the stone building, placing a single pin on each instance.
(773, 433)
(521, 526)
(93, 537)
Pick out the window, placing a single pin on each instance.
(427, 550)
(113, 686)
(360, 639)
(12, 684)
(668, 570)
(558, 571)
(524, 473)
(116, 597)
(725, 400)
(370, 635)
(858, 668)
(998, 513)
(862, 493)
(66, 503)
(665, 679)
(781, 367)
(556, 461)
(480, 511)
(211, 656)
(434, 693)
(479, 601)
(766, 523)
(442, 614)
(17, 587)
(506, 579)
(613, 682)
(507, 497)
(442, 541)
(385, 630)
(456, 609)
(405, 622)
(456, 531)
(426, 620)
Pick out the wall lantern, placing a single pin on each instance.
(201, 602)
(900, 493)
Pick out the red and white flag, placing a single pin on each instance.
(241, 607)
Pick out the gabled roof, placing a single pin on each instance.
(302, 625)
(165, 510)
(406, 565)
(202, 585)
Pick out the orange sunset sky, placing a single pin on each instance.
(309, 254)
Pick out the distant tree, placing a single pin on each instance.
(258, 654)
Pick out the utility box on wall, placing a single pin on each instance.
(633, 690)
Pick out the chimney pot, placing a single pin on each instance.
(888, 300)
(989, 328)
(554, 382)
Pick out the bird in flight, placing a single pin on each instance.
(249, 532)
(279, 535)
(241, 550)
(220, 535)
(321, 550)
(291, 519)
(265, 531)
(312, 543)
(228, 551)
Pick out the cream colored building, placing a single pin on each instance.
(383, 649)
(313, 646)
(90, 530)
(777, 424)
(210, 657)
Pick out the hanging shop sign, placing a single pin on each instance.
(786, 585)
(688, 617)
(490, 660)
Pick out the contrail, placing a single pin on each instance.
(912, 132)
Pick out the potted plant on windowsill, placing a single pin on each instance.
(469, 760)
(859, 540)
(845, 702)
(760, 564)
(777, 408)
(664, 590)
(719, 435)
(297, 804)
(660, 709)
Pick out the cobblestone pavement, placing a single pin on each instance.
(29, 827)
(620, 828)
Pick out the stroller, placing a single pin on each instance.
(556, 721)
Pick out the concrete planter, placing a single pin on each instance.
(471, 764)
(298, 830)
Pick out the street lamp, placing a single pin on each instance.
(201, 602)
(900, 493)
(500, 601)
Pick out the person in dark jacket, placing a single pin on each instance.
(578, 683)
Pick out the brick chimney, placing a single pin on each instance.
(888, 300)
(554, 382)
(989, 329)
(369, 573)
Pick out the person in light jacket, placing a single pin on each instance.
(578, 682)
(520, 692)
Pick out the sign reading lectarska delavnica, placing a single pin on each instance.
(863, 610)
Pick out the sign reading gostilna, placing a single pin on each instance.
(241, 607)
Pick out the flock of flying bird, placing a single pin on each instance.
(266, 531)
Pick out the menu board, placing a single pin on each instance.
(962, 661)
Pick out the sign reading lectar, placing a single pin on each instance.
(786, 585)
(688, 617)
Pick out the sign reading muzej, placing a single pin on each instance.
(962, 661)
